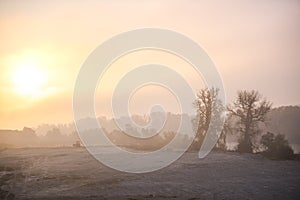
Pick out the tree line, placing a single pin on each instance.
(244, 119)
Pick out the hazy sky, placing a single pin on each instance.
(254, 44)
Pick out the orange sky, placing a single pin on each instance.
(254, 44)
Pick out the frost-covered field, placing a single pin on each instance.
(70, 173)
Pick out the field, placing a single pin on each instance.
(71, 173)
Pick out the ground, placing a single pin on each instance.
(71, 173)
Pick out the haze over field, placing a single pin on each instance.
(141, 100)
(254, 45)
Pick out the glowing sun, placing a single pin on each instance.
(29, 80)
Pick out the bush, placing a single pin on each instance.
(276, 147)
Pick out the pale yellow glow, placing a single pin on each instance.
(254, 45)
(29, 80)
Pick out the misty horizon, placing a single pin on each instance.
(146, 100)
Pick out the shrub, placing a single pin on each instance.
(276, 147)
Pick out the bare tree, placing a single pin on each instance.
(250, 110)
(227, 129)
(207, 105)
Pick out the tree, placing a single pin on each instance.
(227, 129)
(250, 110)
(276, 147)
(207, 105)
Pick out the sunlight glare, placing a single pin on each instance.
(29, 80)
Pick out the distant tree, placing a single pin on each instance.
(55, 132)
(276, 147)
(207, 104)
(27, 130)
(250, 110)
(29, 134)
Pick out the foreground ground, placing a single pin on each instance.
(67, 173)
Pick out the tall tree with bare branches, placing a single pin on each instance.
(250, 109)
(207, 105)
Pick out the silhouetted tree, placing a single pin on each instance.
(276, 147)
(227, 129)
(207, 105)
(250, 109)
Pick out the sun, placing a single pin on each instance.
(29, 80)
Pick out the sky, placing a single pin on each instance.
(254, 44)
